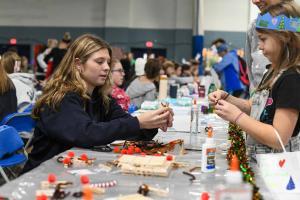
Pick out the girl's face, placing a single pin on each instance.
(96, 69)
(270, 46)
(178, 71)
(118, 74)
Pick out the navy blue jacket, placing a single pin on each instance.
(79, 123)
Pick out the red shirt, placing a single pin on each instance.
(122, 98)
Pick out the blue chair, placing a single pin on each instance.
(28, 108)
(10, 143)
(23, 123)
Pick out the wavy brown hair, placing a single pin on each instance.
(289, 41)
(8, 61)
(67, 78)
(5, 82)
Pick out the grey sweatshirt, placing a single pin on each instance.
(256, 61)
(140, 92)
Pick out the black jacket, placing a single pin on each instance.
(77, 123)
(8, 103)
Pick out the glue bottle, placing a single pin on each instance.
(163, 87)
(208, 161)
(194, 125)
(234, 187)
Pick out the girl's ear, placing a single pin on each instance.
(78, 64)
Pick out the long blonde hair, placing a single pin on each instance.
(67, 77)
(289, 41)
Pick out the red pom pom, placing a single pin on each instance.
(51, 178)
(71, 154)
(131, 148)
(137, 150)
(116, 150)
(124, 151)
(84, 179)
(130, 151)
(143, 154)
(169, 157)
(42, 197)
(83, 157)
(66, 161)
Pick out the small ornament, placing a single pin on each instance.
(51, 178)
(84, 157)
(169, 158)
(124, 151)
(205, 196)
(84, 179)
(67, 162)
(71, 154)
(137, 150)
(116, 150)
(42, 197)
(130, 151)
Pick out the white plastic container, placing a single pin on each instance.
(208, 161)
(163, 87)
(234, 187)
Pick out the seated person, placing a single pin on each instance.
(8, 98)
(117, 74)
(143, 88)
(23, 82)
(186, 70)
(169, 68)
(76, 111)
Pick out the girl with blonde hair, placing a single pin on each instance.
(75, 109)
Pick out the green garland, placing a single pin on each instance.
(238, 147)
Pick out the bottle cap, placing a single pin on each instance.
(234, 176)
(209, 133)
(163, 77)
(234, 165)
(204, 196)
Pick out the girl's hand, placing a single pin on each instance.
(227, 111)
(216, 96)
(161, 118)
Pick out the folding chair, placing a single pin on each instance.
(10, 143)
(23, 123)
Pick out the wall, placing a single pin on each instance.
(126, 23)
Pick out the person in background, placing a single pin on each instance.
(169, 68)
(255, 60)
(42, 66)
(76, 110)
(143, 88)
(228, 70)
(57, 53)
(8, 98)
(178, 69)
(117, 74)
(186, 70)
(273, 110)
(24, 64)
(23, 82)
